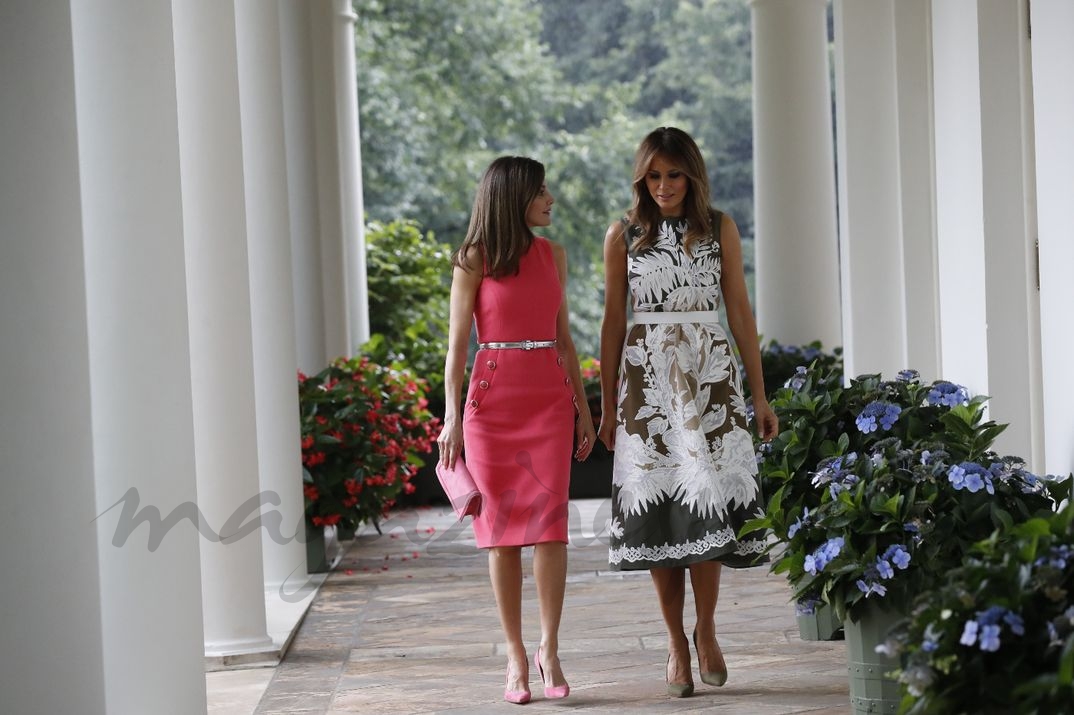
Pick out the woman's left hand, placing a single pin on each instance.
(585, 436)
(765, 419)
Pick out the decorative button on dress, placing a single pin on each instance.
(684, 476)
(518, 422)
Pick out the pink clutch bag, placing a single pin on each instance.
(460, 488)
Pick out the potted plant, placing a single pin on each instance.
(912, 488)
(998, 637)
(363, 426)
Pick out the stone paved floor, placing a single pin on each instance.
(407, 624)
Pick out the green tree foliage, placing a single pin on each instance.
(446, 86)
(408, 275)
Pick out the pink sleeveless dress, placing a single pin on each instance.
(518, 421)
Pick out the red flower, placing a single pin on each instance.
(310, 492)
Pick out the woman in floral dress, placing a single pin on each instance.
(685, 477)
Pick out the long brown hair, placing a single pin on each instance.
(678, 148)
(498, 228)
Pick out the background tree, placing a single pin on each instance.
(445, 87)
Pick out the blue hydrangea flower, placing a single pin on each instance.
(877, 413)
(797, 381)
(872, 587)
(989, 638)
(928, 645)
(801, 521)
(948, 394)
(884, 569)
(971, 477)
(816, 561)
(897, 554)
(926, 457)
(908, 376)
(806, 606)
(1015, 623)
(969, 633)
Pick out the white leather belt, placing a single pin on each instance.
(682, 316)
(518, 345)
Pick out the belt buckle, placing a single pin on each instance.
(527, 345)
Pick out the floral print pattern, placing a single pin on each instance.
(685, 474)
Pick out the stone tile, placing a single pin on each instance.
(408, 624)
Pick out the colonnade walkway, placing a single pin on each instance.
(407, 624)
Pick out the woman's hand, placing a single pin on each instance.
(607, 430)
(765, 419)
(584, 435)
(450, 441)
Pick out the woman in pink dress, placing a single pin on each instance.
(524, 408)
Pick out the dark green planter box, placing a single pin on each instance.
(592, 479)
(821, 625)
(316, 558)
(871, 691)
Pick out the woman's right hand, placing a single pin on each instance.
(606, 431)
(450, 441)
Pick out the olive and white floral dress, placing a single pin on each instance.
(685, 475)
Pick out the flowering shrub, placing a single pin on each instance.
(779, 363)
(363, 427)
(999, 635)
(893, 522)
(591, 384)
(408, 275)
(879, 488)
(821, 420)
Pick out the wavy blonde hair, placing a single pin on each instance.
(498, 228)
(678, 148)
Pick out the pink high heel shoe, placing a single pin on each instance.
(552, 692)
(518, 697)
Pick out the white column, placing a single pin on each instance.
(221, 342)
(350, 175)
(870, 227)
(140, 368)
(959, 197)
(333, 274)
(298, 81)
(1053, 113)
(913, 73)
(794, 179)
(271, 296)
(95, 366)
(45, 378)
(1012, 299)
